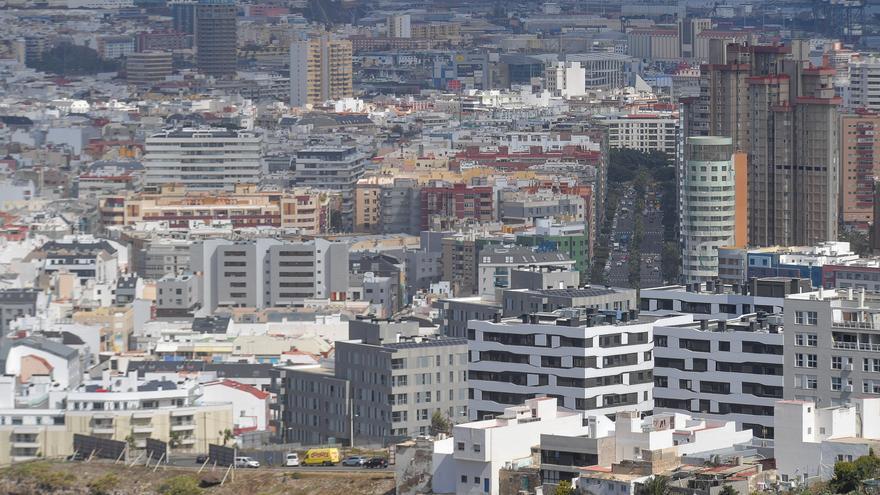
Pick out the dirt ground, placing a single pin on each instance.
(99, 478)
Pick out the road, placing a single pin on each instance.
(617, 266)
(189, 462)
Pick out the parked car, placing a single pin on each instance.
(246, 462)
(292, 460)
(201, 458)
(376, 462)
(354, 460)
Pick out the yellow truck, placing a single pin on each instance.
(322, 457)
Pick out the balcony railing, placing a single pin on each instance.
(857, 346)
(866, 325)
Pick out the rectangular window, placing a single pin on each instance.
(836, 363)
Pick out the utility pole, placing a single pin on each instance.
(350, 416)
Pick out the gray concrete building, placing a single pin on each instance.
(524, 207)
(517, 302)
(15, 303)
(832, 346)
(162, 257)
(400, 207)
(387, 384)
(457, 311)
(269, 272)
(178, 295)
(335, 168)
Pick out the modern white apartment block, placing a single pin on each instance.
(469, 461)
(718, 300)
(595, 362)
(728, 370)
(642, 131)
(707, 187)
(832, 346)
(810, 439)
(202, 158)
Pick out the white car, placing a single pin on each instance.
(292, 460)
(246, 462)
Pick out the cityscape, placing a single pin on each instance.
(435, 247)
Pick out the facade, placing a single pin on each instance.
(721, 301)
(470, 461)
(15, 303)
(566, 79)
(773, 105)
(604, 70)
(459, 200)
(723, 369)
(642, 131)
(496, 264)
(593, 361)
(304, 210)
(269, 272)
(654, 44)
(147, 67)
(708, 209)
(216, 39)
(831, 344)
(388, 386)
(863, 92)
(320, 70)
(520, 301)
(334, 169)
(178, 295)
(812, 438)
(859, 159)
(400, 26)
(202, 158)
(250, 405)
(456, 313)
(387, 205)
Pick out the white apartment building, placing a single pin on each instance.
(714, 300)
(202, 158)
(566, 79)
(708, 205)
(864, 84)
(832, 346)
(728, 370)
(642, 131)
(811, 439)
(599, 363)
(469, 461)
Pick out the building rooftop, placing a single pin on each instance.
(436, 342)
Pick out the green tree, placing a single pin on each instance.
(180, 485)
(848, 476)
(226, 435)
(728, 490)
(564, 488)
(174, 439)
(658, 485)
(440, 423)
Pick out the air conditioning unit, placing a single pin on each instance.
(847, 388)
(848, 367)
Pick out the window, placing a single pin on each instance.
(806, 339)
(811, 383)
(459, 446)
(805, 360)
(805, 317)
(476, 447)
(836, 363)
(836, 383)
(660, 341)
(724, 346)
(464, 478)
(476, 480)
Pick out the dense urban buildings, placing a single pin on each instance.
(545, 247)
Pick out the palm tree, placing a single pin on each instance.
(227, 435)
(658, 485)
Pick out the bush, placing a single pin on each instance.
(103, 485)
(180, 485)
(41, 474)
